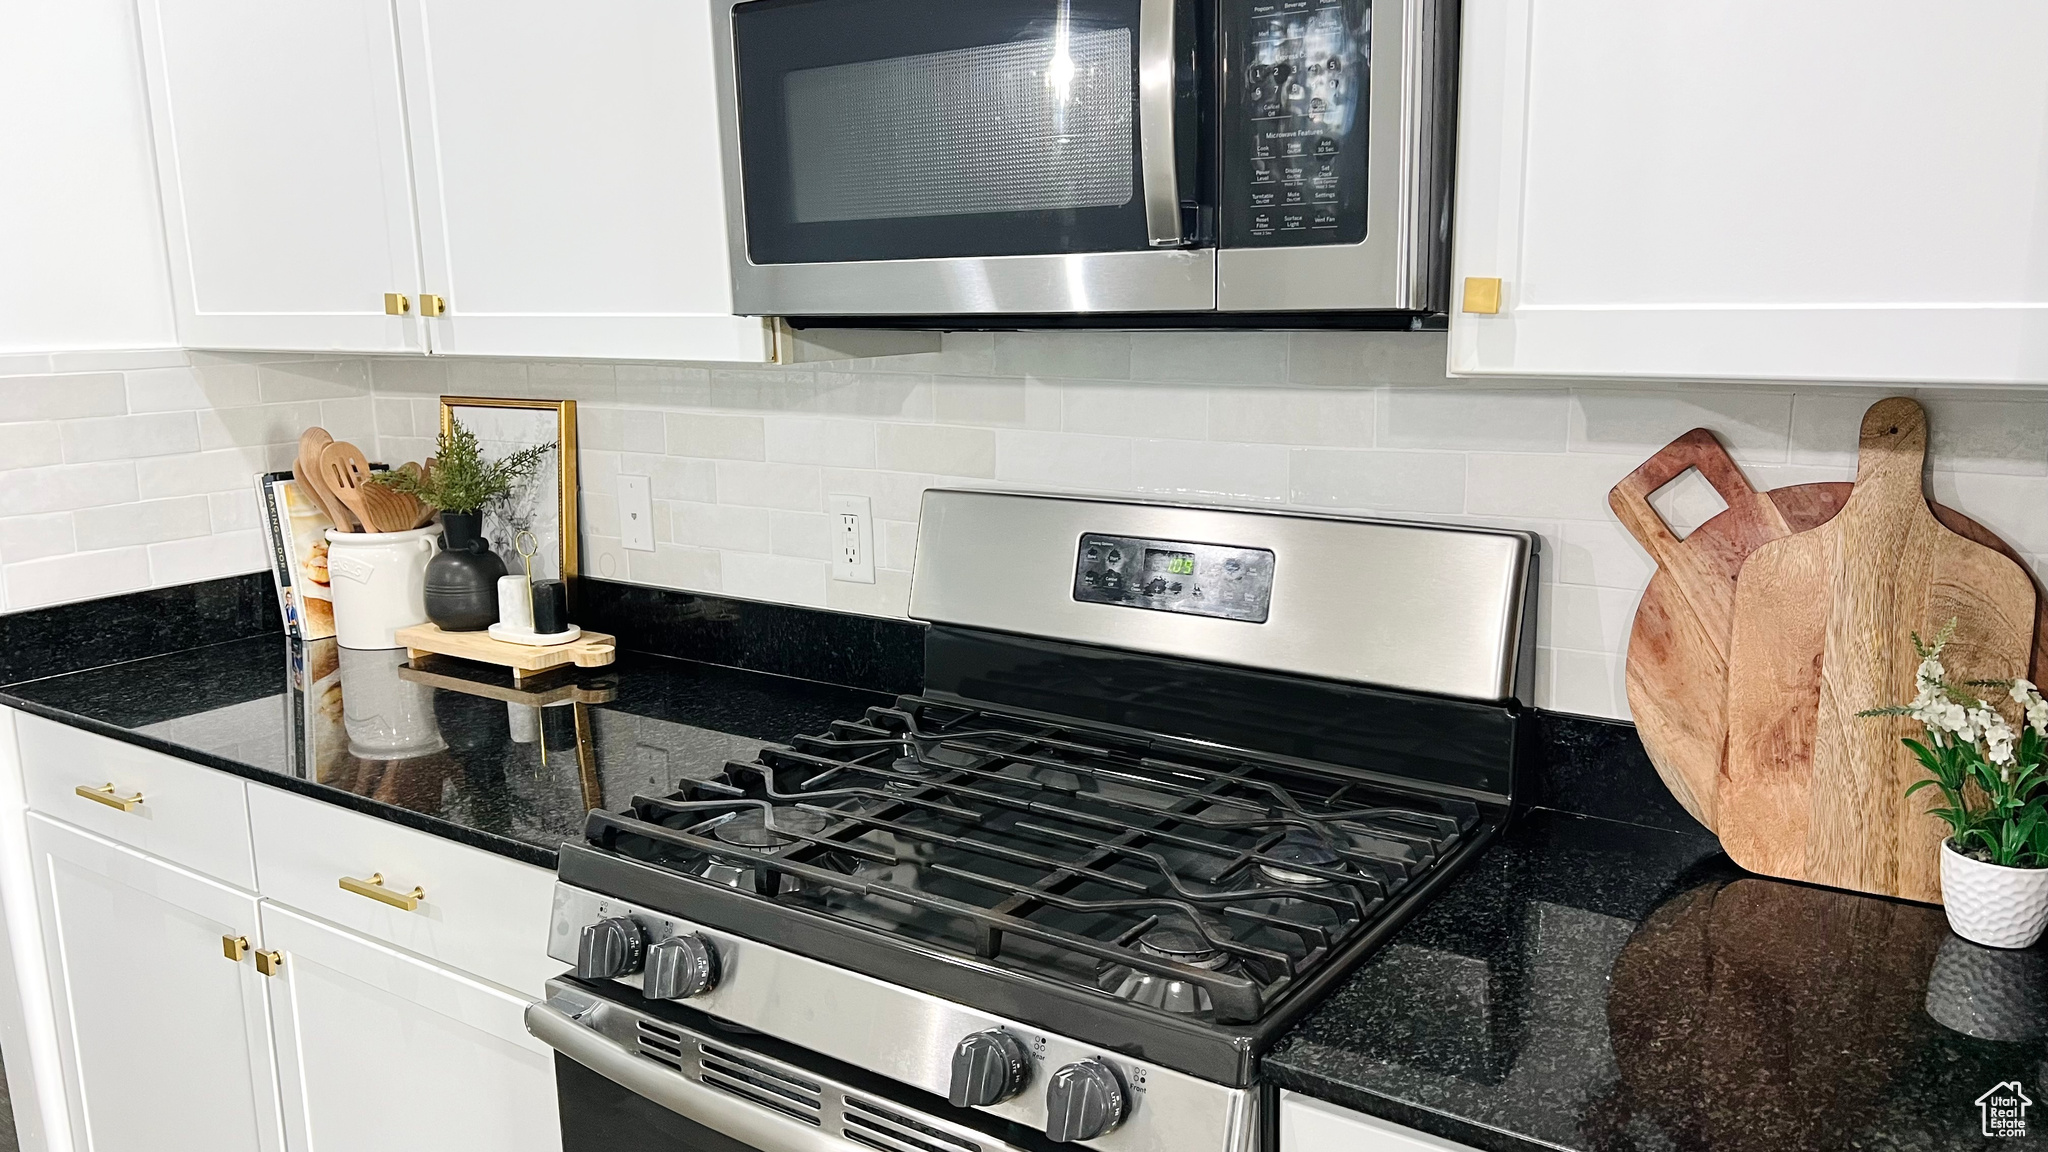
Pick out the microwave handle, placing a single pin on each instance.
(1155, 122)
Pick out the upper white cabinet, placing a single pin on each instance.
(281, 153)
(536, 179)
(1830, 190)
(569, 187)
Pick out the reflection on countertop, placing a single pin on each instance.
(1601, 986)
(444, 745)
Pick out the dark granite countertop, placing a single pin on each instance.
(447, 747)
(1601, 986)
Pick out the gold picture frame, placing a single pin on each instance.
(512, 432)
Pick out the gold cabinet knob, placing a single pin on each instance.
(1482, 295)
(105, 794)
(268, 963)
(396, 304)
(234, 947)
(374, 888)
(431, 305)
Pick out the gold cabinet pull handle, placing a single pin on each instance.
(234, 947)
(396, 304)
(268, 963)
(106, 795)
(432, 305)
(374, 888)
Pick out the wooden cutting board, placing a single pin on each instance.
(1677, 647)
(1809, 790)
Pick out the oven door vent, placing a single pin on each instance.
(878, 1127)
(749, 1079)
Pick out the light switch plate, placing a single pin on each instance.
(636, 514)
(853, 539)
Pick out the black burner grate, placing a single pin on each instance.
(1189, 879)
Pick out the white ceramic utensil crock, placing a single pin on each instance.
(379, 581)
(1991, 904)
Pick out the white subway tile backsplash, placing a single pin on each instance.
(1181, 470)
(1377, 481)
(62, 397)
(146, 522)
(740, 459)
(937, 448)
(130, 437)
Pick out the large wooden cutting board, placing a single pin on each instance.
(1677, 648)
(1809, 790)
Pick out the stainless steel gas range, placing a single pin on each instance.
(1174, 772)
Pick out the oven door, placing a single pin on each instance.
(628, 1078)
(915, 157)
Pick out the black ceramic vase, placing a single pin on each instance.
(462, 579)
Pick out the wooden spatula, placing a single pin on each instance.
(306, 471)
(1809, 790)
(346, 471)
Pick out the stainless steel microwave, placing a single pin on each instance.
(1086, 158)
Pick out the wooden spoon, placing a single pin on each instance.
(346, 471)
(306, 470)
(391, 507)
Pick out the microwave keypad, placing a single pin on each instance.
(1298, 124)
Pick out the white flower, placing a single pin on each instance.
(2029, 698)
(1998, 735)
(1931, 675)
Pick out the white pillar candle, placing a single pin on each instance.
(515, 603)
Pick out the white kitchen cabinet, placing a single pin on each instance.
(1310, 1125)
(164, 1039)
(1830, 190)
(547, 174)
(281, 155)
(378, 1050)
(569, 189)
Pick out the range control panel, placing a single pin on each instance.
(1294, 122)
(1172, 576)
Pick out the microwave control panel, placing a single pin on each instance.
(1294, 122)
(1172, 576)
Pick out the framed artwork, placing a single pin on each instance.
(545, 504)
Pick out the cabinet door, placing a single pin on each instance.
(380, 1050)
(280, 135)
(570, 196)
(164, 1039)
(1750, 189)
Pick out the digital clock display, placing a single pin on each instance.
(1160, 562)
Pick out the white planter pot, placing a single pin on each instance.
(1991, 904)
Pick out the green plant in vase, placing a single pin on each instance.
(1991, 771)
(462, 581)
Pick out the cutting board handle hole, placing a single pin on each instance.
(1685, 502)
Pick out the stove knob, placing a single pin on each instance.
(1084, 1100)
(609, 948)
(988, 1068)
(680, 967)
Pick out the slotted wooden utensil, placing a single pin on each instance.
(306, 471)
(346, 472)
(1810, 790)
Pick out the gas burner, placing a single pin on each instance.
(1299, 847)
(929, 757)
(751, 829)
(1181, 945)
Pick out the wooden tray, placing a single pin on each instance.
(590, 650)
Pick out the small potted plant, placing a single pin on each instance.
(1992, 773)
(462, 581)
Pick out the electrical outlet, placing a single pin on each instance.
(853, 539)
(636, 514)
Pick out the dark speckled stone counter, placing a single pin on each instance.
(446, 747)
(1607, 987)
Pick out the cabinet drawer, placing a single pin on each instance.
(189, 814)
(479, 912)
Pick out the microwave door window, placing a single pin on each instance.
(907, 129)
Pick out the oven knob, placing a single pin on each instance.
(680, 967)
(988, 1068)
(1083, 1100)
(609, 948)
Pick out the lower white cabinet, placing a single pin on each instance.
(1310, 1125)
(164, 1038)
(378, 1050)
